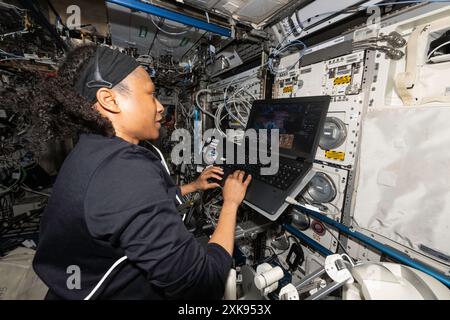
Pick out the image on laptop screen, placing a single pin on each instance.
(298, 123)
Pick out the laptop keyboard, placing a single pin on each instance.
(288, 172)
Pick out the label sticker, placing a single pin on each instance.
(342, 80)
(288, 89)
(335, 155)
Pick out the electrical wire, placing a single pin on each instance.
(11, 54)
(20, 179)
(198, 105)
(165, 31)
(338, 241)
(436, 49)
(13, 33)
(235, 98)
(344, 255)
(241, 100)
(295, 239)
(282, 47)
(26, 188)
(338, 211)
(279, 50)
(10, 6)
(324, 205)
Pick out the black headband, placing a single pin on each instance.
(105, 69)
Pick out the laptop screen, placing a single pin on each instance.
(299, 121)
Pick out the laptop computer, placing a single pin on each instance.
(300, 122)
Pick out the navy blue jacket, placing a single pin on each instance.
(113, 199)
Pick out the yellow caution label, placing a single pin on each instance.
(335, 155)
(288, 89)
(342, 80)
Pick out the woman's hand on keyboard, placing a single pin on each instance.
(210, 178)
(235, 188)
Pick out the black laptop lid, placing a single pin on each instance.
(300, 122)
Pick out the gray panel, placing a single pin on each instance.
(328, 53)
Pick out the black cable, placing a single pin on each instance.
(338, 241)
(295, 239)
(154, 38)
(56, 13)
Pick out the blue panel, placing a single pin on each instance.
(171, 15)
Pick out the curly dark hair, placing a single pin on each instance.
(62, 110)
(53, 108)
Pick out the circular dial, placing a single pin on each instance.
(300, 220)
(334, 134)
(321, 188)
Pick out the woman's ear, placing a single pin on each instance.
(106, 99)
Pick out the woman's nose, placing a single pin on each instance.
(159, 107)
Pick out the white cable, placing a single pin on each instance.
(34, 191)
(197, 102)
(247, 103)
(239, 117)
(7, 5)
(226, 100)
(436, 49)
(105, 276)
(292, 201)
(281, 49)
(167, 32)
(11, 54)
(242, 105)
(348, 258)
(14, 33)
(237, 107)
(217, 120)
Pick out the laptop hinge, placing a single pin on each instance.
(301, 159)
